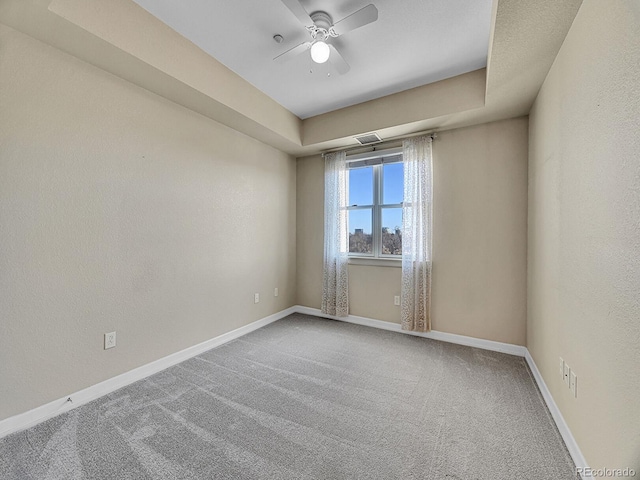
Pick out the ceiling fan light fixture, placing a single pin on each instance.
(320, 52)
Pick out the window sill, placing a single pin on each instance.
(376, 262)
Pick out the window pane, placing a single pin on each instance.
(360, 231)
(361, 186)
(392, 183)
(391, 231)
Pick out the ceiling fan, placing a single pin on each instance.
(321, 28)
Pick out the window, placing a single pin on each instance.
(375, 206)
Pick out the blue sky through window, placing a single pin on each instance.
(392, 177)
(361, 186)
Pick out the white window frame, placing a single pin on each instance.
(376, 160)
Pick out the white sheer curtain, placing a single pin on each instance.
(335, 286)
(416, 234)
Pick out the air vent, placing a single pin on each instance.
(368, 138)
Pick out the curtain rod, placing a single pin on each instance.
(384, 143)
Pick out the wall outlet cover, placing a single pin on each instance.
(109, 340)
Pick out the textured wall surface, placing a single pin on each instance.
(480, 231)
(584, 231)
(310, 230)
(479, 244)
(121, 211)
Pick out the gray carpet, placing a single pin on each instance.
(308, 398)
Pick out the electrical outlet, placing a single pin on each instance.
(573, 384)
(256, 298)
(396, 300)
(566, 374)
(562, 368)
(275, 292)
(109, 340)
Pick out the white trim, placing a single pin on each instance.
(375, 261)
(51, 409)
(387, 152)
(563, 428)
(434, 335)
(518, 350)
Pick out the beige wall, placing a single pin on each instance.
(479, 249)
(371, 288)
(584, 231)
(120, 210)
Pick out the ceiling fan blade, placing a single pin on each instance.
(292, 52)
(337, 61)
(299, 11)
(357, 19)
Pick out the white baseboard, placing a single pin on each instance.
(563, 428)
(51, 409)
(511, 349)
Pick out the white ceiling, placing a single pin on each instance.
(414, 42)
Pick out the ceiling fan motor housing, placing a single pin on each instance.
(322, 19)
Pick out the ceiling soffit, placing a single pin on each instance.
(127, 41)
